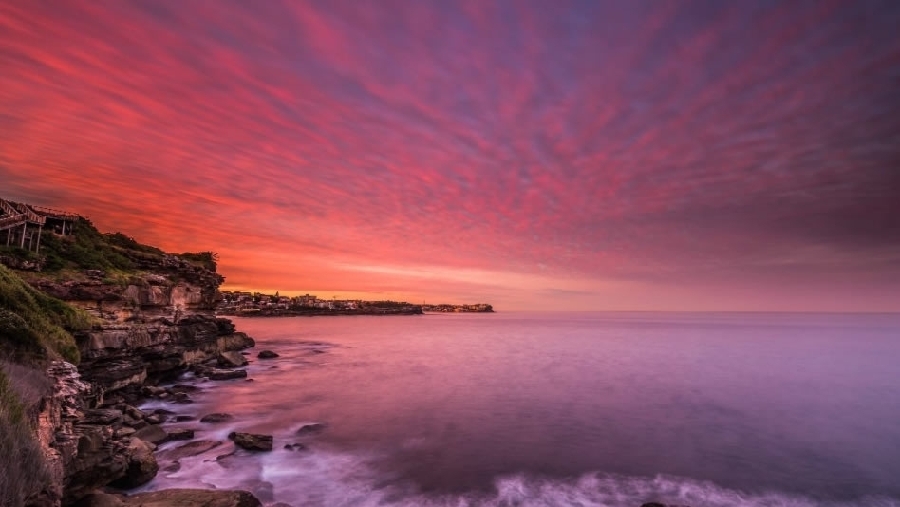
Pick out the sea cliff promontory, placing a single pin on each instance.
(90, 325)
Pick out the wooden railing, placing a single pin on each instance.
(54, 213)
(8, 208)
(31, 215)
(8, 222)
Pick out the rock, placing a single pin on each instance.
(296, 446)
(189, 449)
(193, 498)
(184, 418)
(183, 388)
(99, 500)
(172, 467)
(105, 416)
(251, 441)
(181, 434)
(124, 432)
(142, 466)
(152, 433)
(162, 411)
(155, 419)
(133, 412)
(230, 359)
(318, 351)
(310, 428)
(267, 354)
(216, 417)
(227, 374)
(182, 398)
(151, 391)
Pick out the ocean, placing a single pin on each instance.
(547, 409)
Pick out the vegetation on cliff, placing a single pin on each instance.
(88, 248)
(22, 467)
(33, 325)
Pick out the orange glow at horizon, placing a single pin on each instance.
(661, 160)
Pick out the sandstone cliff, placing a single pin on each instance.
(149, 325)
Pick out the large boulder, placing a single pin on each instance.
(216, 417)
(251, 441)
(193, 498)
(152, 433)
(231, 359)
(142, 466)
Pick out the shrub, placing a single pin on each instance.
(33, 324)
(23, 470)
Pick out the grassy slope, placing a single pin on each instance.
(34, 326)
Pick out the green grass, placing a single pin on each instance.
(33, 325)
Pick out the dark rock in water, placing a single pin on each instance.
(142, 466)
(184, 418)
(151, 391)
(245, 353)
(251, 441)
(152, 433)
(318, 351)
(657, 504)
(230, 359)
(183, 388)
(193, 498)
(296, 446)
(182, 398)
(281, 504)
(264, 490)
(181, 434)
(155, 419)
(309, 429)
(216, 418)
(162, 411)
(172, 467)
(267, 354)
(227, 374)
(133, 412)
(189, 449)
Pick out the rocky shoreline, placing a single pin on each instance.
(149, 329)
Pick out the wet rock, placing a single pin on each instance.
(251, 441)
(184, 418)
(311, 428)
(318, 351)
(162, 411)
(296, 446)
(152, 433)
(155, 419)
(189, 449)
(267, 354)
(181, 434)
(151, 391)
(193, 498)
(142, 466)
(183, 388)
(216, 418)
(172, 467)
(182, 398)
(230, 359)
(218, 374)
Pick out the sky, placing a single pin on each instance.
(535, 155)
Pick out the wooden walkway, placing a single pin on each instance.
(21, 221)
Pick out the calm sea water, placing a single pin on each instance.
(598, 409)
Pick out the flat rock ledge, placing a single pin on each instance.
(193, 498)
(252, 442)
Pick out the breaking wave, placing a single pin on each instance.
(343, 479)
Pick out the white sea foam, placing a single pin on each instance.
(331, 478)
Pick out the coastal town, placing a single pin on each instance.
(257, 304)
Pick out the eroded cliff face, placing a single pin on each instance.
(151, 326)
